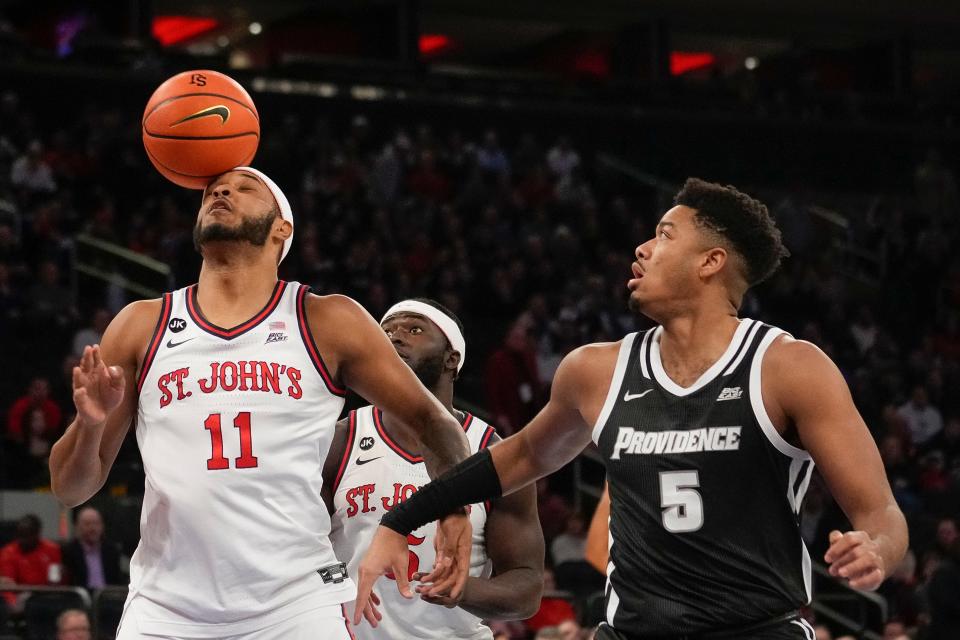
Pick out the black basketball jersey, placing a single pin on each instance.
(705, 494)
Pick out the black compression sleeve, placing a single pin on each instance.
(473, 480)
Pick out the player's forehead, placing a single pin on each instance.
(677, 216)
(408, 318)
(236, 178)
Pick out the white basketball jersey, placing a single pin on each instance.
(234, 426)
(374, 475)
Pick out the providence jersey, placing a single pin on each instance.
(233, 426)
(375, 475)
(705, 494)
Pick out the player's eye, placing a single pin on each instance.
(416, 331)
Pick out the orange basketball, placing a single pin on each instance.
(199, 124)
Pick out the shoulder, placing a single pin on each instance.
(590, 359)
(789, 357)
(50, 545)
(129, 332)
(332, 307)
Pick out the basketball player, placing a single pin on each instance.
(236, 384)
(373, 465)
(709, 425)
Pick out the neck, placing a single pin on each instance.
(698, 334)
(231, 289)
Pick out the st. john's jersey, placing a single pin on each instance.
(705, 494)
(374, 475)
(234, 426)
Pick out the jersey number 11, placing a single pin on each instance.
(246, 460)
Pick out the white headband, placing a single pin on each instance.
(285, 211)
(445, 323)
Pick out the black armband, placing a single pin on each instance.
(473, 480)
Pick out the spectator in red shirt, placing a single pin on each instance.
(512, 380)
(29, 559)
(553, 609)
(34, 419)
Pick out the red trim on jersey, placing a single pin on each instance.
(307, 335)
(351, 436)
(346, 622)
(486, 438)
(154, 344)
(403, 453)
(193, 308)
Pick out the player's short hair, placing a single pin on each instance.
(744, 221)
(442, 309)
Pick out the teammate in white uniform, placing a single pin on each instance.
(373, 465)
(234, 425)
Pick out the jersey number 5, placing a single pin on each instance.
(681, 502)
(246, 460)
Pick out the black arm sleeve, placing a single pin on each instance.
(473, 480)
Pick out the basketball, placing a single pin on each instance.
(199, 124)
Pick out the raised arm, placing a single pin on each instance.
(554, 437)
(357, 351)
(803, 388)
(105, 395)
(514, 542)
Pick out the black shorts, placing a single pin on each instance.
(788, 627)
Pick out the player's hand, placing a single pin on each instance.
(855, 556)
(453, 543)
(442, 599)
(370, 612)
(97, 388)
(388, 552)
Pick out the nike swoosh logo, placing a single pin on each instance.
(171, 344)
(216, 110)
(627, 396)
(359, 461)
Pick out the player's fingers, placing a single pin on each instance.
(868, 580)
(374, 598)
(858, 566)
(840, 545)
(364, 587)
(77, 378)
(440, 570)
(403, 583)
(86, 360)
(116, 376)
(97, 358)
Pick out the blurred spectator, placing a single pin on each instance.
(73, 624)
(490, 156)
(943, 594)
(50, 301)
(822, 632)
(553, 608)
(864, 330)
(30, 559)
(93, 333)
(946, 536)
(35, 419)
(894, 630)
(923, 420)
(573, 572)
(512, 381)
(31, 172)
(91, 560)
(562, 158)
(900, 590)
(548, 633)
(569, 630)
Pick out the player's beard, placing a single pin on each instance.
(429, 370)
(253, 230)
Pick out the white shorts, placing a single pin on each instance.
(327, 623)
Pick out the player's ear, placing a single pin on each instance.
(712, 261)
(452, 361)
(283, 227)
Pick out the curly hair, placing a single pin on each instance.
(743, 221)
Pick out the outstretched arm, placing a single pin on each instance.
(514, 543)
(803, 387)
(105, 394)
(553, 438)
